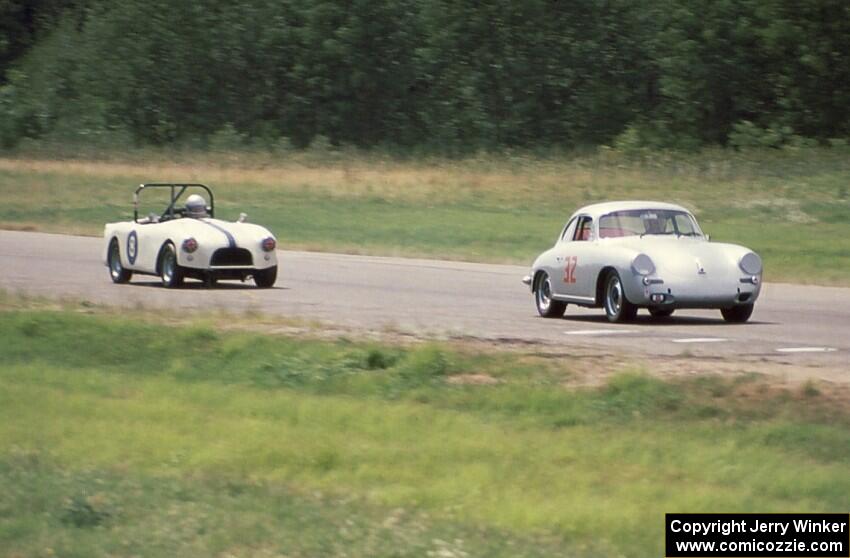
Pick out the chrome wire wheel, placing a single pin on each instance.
(115, 266)
(169, 266)
(169, 271)
(117, 272)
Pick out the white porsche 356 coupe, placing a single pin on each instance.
(186, 240)
(629, 255)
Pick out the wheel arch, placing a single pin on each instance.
(535, 282)
(600, 283)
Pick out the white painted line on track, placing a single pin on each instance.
(599, 331)
(806, 350)
(700, 340)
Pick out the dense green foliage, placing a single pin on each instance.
(21, 23)
(446, 75)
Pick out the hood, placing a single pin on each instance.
(686, 256)
(215, 232)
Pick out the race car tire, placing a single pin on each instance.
(737, 314)
(661, 312)
(170, 272)
(617, 306)
(117, 272)
(546, 306)
(265, 278)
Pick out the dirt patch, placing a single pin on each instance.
(591, 366)
(21, 227)
(478, 379)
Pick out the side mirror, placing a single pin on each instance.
(708, 238)
(242, 218)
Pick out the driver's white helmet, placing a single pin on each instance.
(196, 206)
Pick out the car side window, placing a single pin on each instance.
(569, 230)
(582, 232)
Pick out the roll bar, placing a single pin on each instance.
(175, 195)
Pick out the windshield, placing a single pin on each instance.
(648, 221)
(171, 198)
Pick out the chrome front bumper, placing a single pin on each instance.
(695, 294)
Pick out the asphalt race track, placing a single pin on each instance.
(791, 323)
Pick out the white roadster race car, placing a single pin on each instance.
(629, 255)
(186, 240)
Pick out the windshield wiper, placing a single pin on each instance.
(658, 233)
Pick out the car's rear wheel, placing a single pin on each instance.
(265, 278)
(661, 312)
(117, 271)
(169, 271)
(546, 305)
(617, 306)
(737, 314)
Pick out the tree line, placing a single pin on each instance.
(437, 75)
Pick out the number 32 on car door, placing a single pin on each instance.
(570, 269)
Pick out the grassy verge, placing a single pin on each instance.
(790, 206)
(127, 438)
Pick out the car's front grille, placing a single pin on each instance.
(231, 256)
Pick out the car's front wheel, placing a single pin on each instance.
(737, 314)
(546, 305)
(617, 306)
(265, 278)
(117, 271)
(661, 312)
(169, 271)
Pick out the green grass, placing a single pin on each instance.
(119, 437)
(50, 511)
(791, 206)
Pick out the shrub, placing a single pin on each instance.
(425, 364)
(636, 394)
(81, 511)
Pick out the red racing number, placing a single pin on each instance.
(570, 269)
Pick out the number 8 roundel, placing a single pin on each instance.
(132, 247)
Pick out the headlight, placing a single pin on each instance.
(190, 245)
(643, 265)
(269, 244)
(750, 263)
